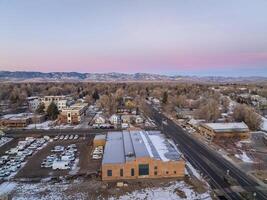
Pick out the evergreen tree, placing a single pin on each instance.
(95, 95)
(52, 111)
(165, 97)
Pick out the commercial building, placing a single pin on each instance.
(21, 120)
(213, 131)
(140, 154)
(73, 114)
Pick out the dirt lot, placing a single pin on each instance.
(33, 170)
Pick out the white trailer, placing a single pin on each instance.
(62, 164)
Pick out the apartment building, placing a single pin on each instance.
(33, 103)
(60, 101)
(73, 114)
(141, 154)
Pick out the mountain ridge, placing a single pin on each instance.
(35, 76)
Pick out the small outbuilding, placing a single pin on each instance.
(99, 140)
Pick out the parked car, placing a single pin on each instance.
(96, 157)
(71, 137)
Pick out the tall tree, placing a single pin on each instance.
(165, 97)
(95, 95)
(246, 114)
(52, 111)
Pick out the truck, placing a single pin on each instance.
(62, 164)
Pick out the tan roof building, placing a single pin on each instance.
(140, 154)
(224, 130)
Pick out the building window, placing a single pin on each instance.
(132, 172)
(143, 169)
(109, 172)
(174, 172)
(156, 167)
(167, 172)
(68, 114)
(155, 173)
(121, 172)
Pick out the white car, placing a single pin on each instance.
(71, 137)
(58, 149)
(66, 137)
(76, 137)
(96, 156)
(61, 137)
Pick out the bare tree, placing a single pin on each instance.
(246, 114)
(210, 111)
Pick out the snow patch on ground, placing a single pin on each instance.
(264, 124)
(244, 157)
(193, 171)
(165, 193)
(45, 125)
(60, 191)
(241, 142)
(7, 187)
(75, 169)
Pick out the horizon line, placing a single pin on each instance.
(132, 73)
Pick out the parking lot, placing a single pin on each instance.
(16, 153)
(82, 163)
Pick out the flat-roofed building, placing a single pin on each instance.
(73, 114)
(60, 101)
(224, 130)
(140, 154)
(21, 120)
(99, 140)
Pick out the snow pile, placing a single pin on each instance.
(75, 169)
(244, 157)
(241, 142)
(45, 125)
(193, 171)
(163, 193)
(7, 187)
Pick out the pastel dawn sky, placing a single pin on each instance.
(187, 37)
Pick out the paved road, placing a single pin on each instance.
(210, 163)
